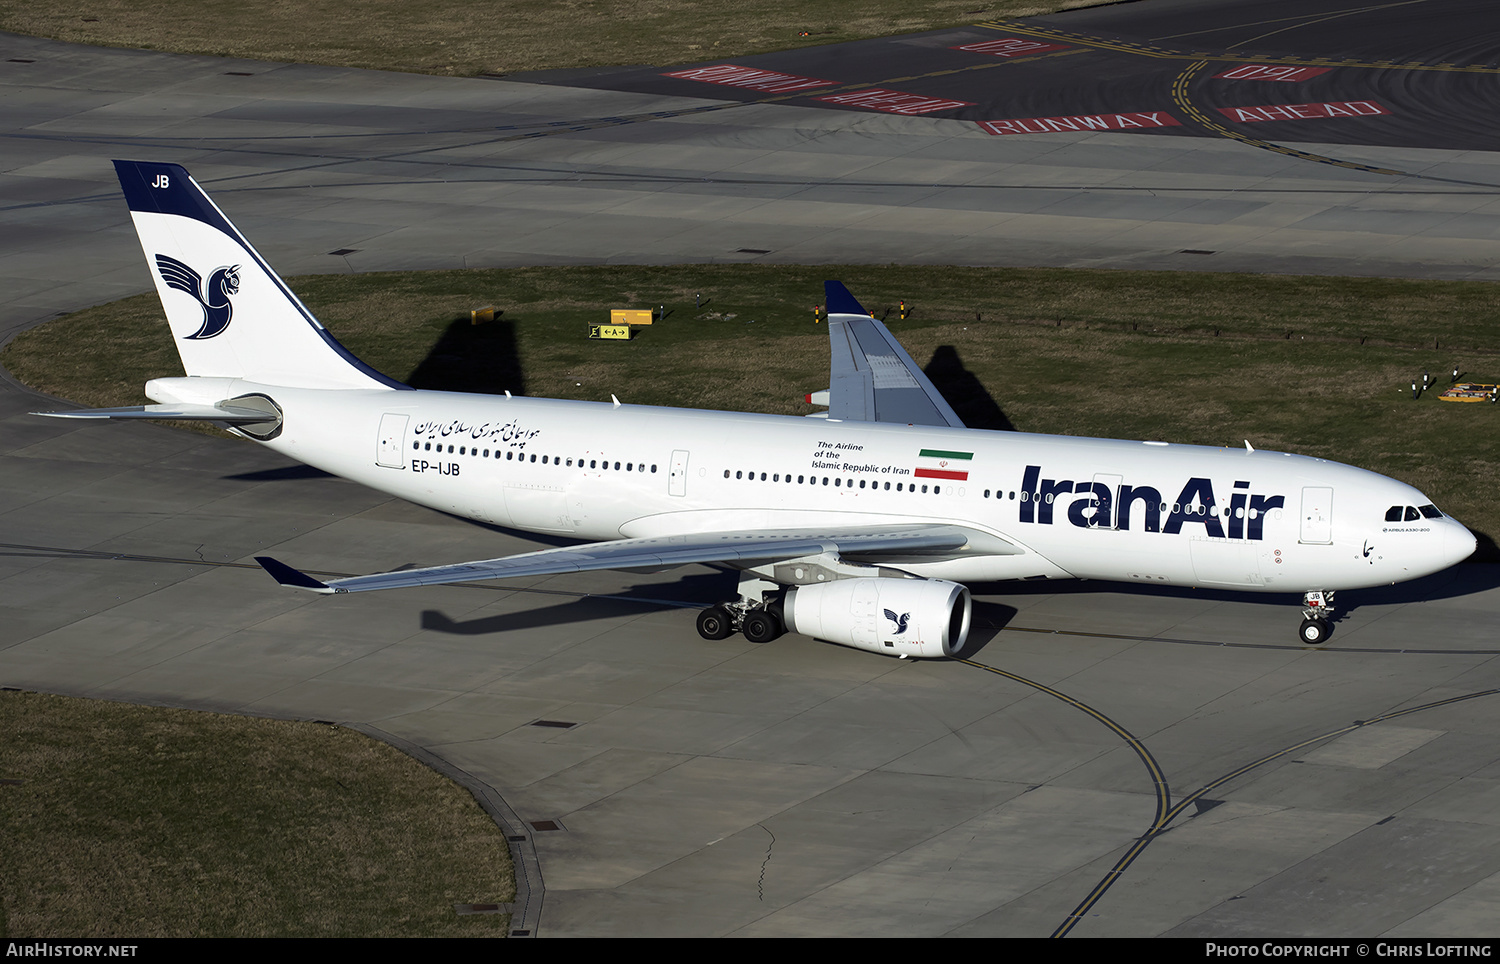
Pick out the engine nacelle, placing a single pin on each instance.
(897, 617)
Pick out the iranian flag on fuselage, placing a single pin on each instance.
(943, 464)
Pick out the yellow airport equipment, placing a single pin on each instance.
(630, 316)
(1468, 392)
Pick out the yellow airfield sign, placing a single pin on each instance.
(617, 332)
(630, 316)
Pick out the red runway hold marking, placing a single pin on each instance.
(895, 102)
(1011, 47)
(1271, 72)
(733, 75)
(1081, 122)
(1276, 112)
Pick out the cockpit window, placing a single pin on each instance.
(1411, 513)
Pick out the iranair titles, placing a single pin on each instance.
(1106, 506)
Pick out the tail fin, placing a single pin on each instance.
(231, 316)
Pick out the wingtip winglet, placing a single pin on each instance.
(292, 578)
(840, 301)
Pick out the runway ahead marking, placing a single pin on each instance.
(1181, 99)
(1288, 68)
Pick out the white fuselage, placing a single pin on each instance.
(1145, 512)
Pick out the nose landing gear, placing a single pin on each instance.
(1317, 617)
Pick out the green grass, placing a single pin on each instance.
(131, 821)
(468, 37)
(1319, 366)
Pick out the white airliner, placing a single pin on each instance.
(857, 526)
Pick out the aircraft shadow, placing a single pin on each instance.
(988, 619)
(690, 592)
(962, 390)
(1461, 580)
(478, 358)
(1486, 550)
(287, 473)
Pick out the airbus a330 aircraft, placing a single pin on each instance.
(857, 526)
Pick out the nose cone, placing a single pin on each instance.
(1458, 543)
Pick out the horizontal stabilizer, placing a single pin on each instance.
(231, 414)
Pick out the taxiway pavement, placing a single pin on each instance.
(671, 786)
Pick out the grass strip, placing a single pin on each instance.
(470, 37)
(135, 821)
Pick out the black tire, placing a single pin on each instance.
(760, 626)
(1315, 632)
(715, 623)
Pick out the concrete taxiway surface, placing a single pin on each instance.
(672, 786)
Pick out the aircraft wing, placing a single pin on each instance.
(869, 545)
(872, 378)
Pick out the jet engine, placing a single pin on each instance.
(897, 617)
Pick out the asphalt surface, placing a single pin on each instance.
(1283, 72)
(1108, 762)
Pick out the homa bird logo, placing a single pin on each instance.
(213, 297)
(900, 621)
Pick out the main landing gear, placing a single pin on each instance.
(759, 624)
(716, 622)
(1317, 617)
(756, 613)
